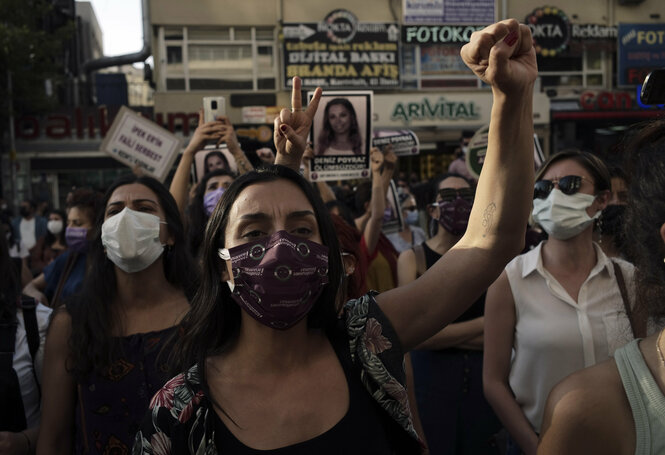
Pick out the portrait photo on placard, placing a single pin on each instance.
(341, 135)
(212, 159)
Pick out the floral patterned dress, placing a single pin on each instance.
(111, 405)
(181, 418)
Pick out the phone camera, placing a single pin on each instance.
(213, 104)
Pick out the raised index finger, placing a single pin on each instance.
(296, 96)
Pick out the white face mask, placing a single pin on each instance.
(54, 226)
(131, 239)
(564, 216)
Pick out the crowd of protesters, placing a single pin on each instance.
(253, 311)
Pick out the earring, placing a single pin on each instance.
(168, 253)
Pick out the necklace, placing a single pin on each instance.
(660, 353)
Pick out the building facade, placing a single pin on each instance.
(592, 58)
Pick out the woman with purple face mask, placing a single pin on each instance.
(64, 276)
(447, 368)
(208, 192)
(267, 363)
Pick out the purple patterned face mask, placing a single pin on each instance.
(278, 279)
(388, 214)
(76, 238)
(454, 215)
(210, 200)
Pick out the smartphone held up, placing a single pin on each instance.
(213, 107)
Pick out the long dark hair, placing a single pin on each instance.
(645, 215)
(196, 214)
(11, 282)
(92, 346)
(327, 136)
(213, 323)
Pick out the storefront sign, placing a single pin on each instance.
(442, 60)
(438, 109)
(92, 124)
(340, 52)
(463, 110)
(136, 141)
(448, 11)
(550, 30)
(592, 31)
(641, 49)
(605, 101)
(438, 34)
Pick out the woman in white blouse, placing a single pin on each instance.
(559, 306)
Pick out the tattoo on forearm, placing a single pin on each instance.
(488, 218)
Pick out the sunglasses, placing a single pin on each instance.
(570, 184)
(450, 194)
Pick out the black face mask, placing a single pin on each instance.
(24, 211)
(613, 218)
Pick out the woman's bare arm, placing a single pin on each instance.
(502, 55)
(58, 391)
(500, 322)
(35, 289)
(210, 131)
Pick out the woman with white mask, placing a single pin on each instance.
(561, 307)
(107, 350)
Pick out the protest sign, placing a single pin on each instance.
(212, 158)
(137, 141)
(475, 157)
(404, 142)
(341, 134)
(392, 218)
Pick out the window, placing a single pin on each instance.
(578, 66)
(218, 58)
(435, 66)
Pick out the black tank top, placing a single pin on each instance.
(365, 428)
(477, 309)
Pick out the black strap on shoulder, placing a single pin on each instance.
(29, 306)
(637, 326)
(67, 269)
(29, 310)
(12, 417)
(7, 344)
(421, 264)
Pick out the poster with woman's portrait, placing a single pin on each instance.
(211, 159)
(341, 135)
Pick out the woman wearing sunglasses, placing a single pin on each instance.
(561, 306)
(447, 368)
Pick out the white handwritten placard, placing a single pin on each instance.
(137, 141)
